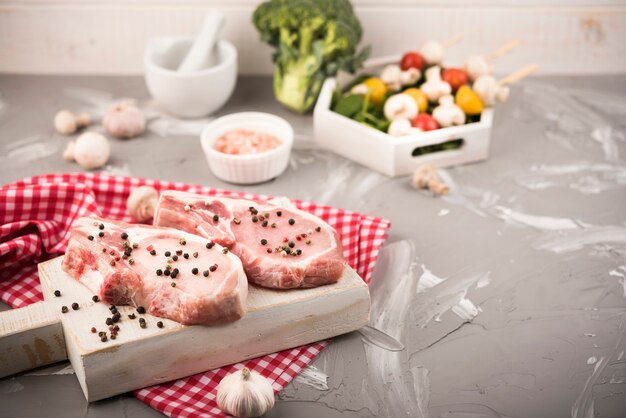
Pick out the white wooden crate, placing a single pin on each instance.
(391, 155)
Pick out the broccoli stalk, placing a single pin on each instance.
(313, 39)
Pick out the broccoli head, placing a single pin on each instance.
(313, 40)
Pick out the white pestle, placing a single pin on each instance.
(201, 54)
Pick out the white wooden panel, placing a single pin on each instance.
(88, 37)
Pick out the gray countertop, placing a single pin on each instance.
(508, 295)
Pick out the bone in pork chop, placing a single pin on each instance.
(279, 245)
(171, 273)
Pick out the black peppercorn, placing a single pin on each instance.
(90, 237)
(194, 270)
(291, 244)
(264, 224)
(142, 324)
(212, 268)
(64, 309)
(75, 306)
(263, 241)
(141, 309)
(318, 229)
(101, 226)
(109, 321)
(160, 324)
(279, 213)
(173, 284)
(255, 219)
(209, 245)
(174, 275)
(153, 252)
(175, 258)
(103, 338)
(186, 256)
(167, 253)
(132, 316)
(216, 218)
(179, 252)
(57, 293)
(205, 273)
(124, 235)
(100, 234)
(292, 221)
(167, 272)
(95, 298)
(159, 272)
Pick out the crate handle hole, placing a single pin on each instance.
(450, 145)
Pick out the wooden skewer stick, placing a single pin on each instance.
(502, 50)
(519, 74)
(452, 41)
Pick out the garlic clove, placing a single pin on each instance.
(92, 150)
(245, 394)
(124, 120)
(142, 202)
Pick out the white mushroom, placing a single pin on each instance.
(435, 87)
(391, 77)
(447, 113)
(92, 150)
(67, 123)
(425, 177)
(400, 106)
(360, 89)
(477, 65)
(68, 154)
(402, 127)
(124, 120)
(410, 76)
(432, 51)
(490, 91)
(395, 78)
(141, 203)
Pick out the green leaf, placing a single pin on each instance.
(349, 105)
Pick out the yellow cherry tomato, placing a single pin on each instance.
(468, 101)
(377, 88)
(419, 97)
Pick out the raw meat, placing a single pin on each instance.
(279, 245)
(128, 265)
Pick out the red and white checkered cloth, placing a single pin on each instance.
(35, 218)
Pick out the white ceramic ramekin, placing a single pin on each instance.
(189, 95)
(251, 168)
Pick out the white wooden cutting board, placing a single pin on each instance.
(275, 320)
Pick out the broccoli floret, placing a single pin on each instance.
(313, 39)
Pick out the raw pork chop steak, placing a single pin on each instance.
(172, 274)
(279, 245)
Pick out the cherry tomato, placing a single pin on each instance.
(412, 60)
(455, 77)
(377, 88)
(425, 122)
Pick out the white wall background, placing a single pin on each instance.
(93, 37)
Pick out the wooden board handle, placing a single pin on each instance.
(30, 337)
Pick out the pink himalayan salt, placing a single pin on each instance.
(246, 141)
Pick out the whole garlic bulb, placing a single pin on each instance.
(124, 120)
(245, 394)
(141, 203)
(91, 150)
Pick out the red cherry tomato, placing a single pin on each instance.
(455, 77)
(412, 60)
(425, 122)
